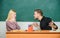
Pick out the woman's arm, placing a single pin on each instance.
(9, 26)
(17, 26)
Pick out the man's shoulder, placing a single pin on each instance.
(48, 18)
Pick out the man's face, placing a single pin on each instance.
(36, 15)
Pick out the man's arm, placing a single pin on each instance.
(36, 25)
(53, 25)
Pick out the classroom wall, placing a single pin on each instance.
(23, 25)
(25, 9)
(2, 29)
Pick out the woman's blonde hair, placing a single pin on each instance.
(9, 14)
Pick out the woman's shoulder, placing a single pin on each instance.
(8, 22)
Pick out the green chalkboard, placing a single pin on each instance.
(25, 9)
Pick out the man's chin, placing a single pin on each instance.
(36, 18)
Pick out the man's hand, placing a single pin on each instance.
(51, 24)
(35, 24)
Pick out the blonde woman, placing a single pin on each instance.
(11, 23)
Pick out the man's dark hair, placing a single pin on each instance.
(39, 11)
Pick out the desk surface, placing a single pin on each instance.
(33, 32)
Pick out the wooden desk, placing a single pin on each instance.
(36, 34)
